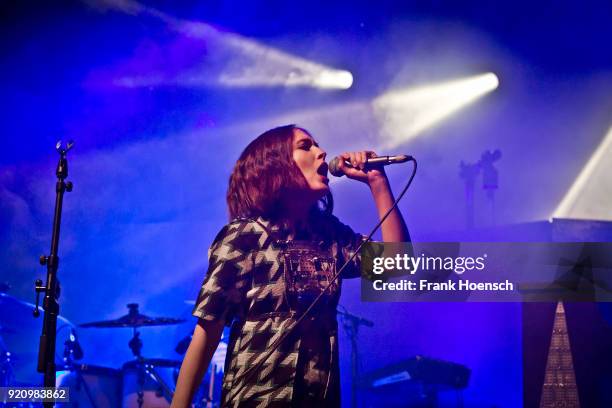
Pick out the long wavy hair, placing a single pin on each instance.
(265, 173)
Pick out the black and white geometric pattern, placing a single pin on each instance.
(245, 286)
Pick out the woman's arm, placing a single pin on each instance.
(204, 342)
(394, 228)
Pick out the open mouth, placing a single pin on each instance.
(322, 169)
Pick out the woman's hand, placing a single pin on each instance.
(358, 171)
(394, 228)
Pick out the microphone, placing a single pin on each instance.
(72, 348)
(371, 162)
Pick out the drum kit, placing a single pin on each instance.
(140, 382)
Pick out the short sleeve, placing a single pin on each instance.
(222, 296)
(348, 242)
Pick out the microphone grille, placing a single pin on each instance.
(334, 167)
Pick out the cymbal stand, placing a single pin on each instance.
(164, 388)
(135, 345)
(46, 350)
(80, 381)
(145, 369)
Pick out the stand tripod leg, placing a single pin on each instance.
(141, 382)
(166, 390)
(211, 386)
(81, 380)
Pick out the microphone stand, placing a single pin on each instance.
(351, 324)
(46, 350)
(468, 172)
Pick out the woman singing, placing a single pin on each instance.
(281, 249)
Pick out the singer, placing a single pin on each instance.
(279, 251)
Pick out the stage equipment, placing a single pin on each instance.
(370, 163)
(417, 381)
(91, 386)
(46, 350)
(469, 172)
(133, 319)
(157, 386)
(18, 353)
(351, 324)
(438, 373)
(140, 368)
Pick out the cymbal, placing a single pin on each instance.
(133, 319)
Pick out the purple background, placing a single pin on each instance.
(151, 163)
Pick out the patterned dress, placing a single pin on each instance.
(260, 279)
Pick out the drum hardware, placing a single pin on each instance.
(91, 386)
(72, 349)
(18, 342)
(133, 319)
(96, 386)
(100, 387)
(149, 368)
(73, 352)
(80, 382)
(144, 367)
(151, 377)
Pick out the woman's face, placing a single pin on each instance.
(310, 158)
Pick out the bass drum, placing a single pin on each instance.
(158, 382)
(91, 386)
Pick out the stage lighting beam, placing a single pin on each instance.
(567, 206)
(234, 60)
(406, 113)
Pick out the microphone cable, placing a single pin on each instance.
(248, 374)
